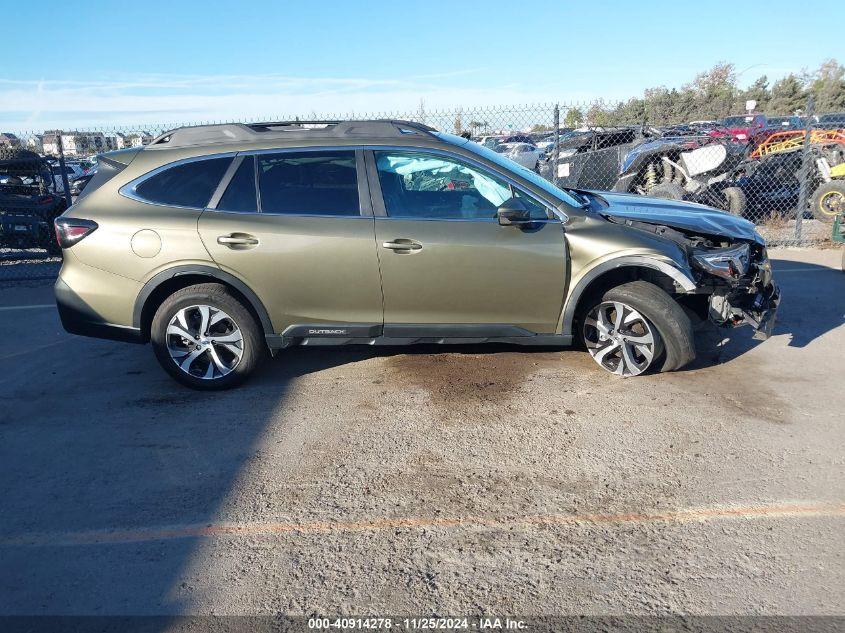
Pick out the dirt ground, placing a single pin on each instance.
(417, 480)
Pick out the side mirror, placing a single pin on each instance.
(513, 211)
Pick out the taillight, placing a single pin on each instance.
(46, 199)
(71, 230)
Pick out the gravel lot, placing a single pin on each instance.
(420, 480)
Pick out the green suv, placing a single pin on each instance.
(220, 243)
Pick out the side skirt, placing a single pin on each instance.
(410, 334)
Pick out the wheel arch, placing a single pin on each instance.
(165, 283)
(620, 270)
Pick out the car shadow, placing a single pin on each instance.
(98, 458)
(812, 304)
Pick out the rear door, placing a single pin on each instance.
(296, 227)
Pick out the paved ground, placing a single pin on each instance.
(416, 480)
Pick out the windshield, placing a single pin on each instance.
(514, 167)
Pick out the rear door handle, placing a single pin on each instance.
(237, 240)
(402, 245)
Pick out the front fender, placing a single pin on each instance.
(680, 273)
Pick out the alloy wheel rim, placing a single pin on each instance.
(620, 339)
(832, 203)
(204, 342)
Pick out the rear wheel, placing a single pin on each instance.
(828, 200)
(205, 338)
(637, 327)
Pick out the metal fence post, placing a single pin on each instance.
(806, 172)
(65, 182)
(556, 152)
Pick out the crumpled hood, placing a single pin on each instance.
(687, 216)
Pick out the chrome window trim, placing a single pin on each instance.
(493, 220)
(129, 189)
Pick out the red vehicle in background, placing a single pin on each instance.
(740, 127)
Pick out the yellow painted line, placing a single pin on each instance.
(213, 530)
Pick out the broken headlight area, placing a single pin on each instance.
(729, 263)
(739, 281)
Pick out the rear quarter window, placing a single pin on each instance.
(187, 185)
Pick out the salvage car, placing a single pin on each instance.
(28, 201)
(525, 154)
(698, 169)
(222, 243)
(590, 158)
(740, 127)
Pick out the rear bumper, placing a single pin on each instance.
(78, 318)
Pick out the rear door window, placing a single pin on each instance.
(187, 185)
(319, 183)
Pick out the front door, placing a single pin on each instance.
(448, 267)
(304, 245)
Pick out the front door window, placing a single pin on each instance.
(422, 185)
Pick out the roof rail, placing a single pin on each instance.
(294, 130)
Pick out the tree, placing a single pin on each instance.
(828, 86)
(458, 123)
(714, 91)
(574, 117)
(597, 115)
(758, 91)
(475, 125)
(788, 96)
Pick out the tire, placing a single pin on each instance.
(667, 191)
(735, 201)
(660, 316)
(828, 200)
(221, 357)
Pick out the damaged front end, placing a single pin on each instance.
(738, 280)
(733, 274)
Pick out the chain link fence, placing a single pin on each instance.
(784, 172)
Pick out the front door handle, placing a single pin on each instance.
(236, 240)
(402, 245)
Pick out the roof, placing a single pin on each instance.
(293, 130)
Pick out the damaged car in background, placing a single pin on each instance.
(29, 201)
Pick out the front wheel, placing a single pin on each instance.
(637, 327)
(205, 338)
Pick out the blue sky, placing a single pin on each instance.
(146, 62)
